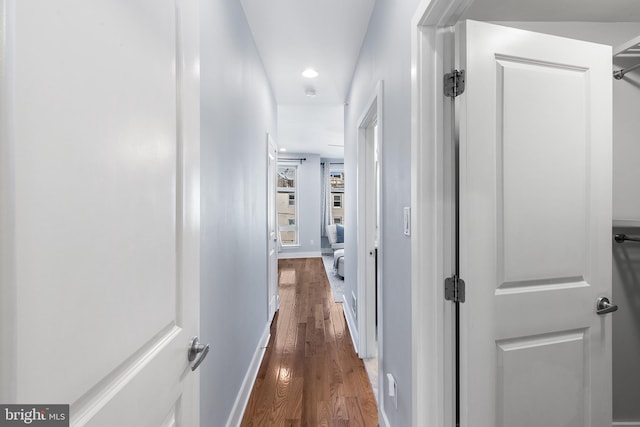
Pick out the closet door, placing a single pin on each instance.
(99, 210)
(535, 131)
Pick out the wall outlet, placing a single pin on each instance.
(311, 242)
(393, 390)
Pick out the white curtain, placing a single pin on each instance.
(326, 198)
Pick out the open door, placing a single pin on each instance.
(535, 136)
(99, 198)
(272, 227)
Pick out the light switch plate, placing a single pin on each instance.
(407, 221)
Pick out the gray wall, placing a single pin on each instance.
(309, 179)
(237, 111)
(386, 55)
(626, 206)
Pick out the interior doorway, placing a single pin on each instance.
(370, 235)
(272, 227)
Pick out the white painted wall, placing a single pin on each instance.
(237, 111)
(386, 55)
(626, 206)
(309, 178)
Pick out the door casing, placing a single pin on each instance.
(366, 307)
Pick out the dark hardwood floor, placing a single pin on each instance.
(310, 374)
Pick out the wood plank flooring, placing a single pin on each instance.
(310, 374)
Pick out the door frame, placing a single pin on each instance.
(273, 301)
(366, 301)
(432, 221)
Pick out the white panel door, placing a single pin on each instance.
(100, 206)
(535, 229)
(272, 226)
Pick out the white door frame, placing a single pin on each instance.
(273, 302)
(366, 301)
(432, 319)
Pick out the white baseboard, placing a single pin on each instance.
(240, 405)
(291, 255)
(383, 415)
(351, 321)
(626, 423)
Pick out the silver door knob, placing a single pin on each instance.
(604, 306)
(194, 348)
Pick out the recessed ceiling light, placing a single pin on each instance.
(310, 73)
(283, 149)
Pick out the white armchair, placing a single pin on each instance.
(338, 248)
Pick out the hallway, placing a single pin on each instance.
(310, 374)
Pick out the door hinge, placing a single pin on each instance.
(454, 289)
(454, 83)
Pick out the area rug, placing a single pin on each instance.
(336, 282)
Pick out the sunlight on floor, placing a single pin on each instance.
(287, 276)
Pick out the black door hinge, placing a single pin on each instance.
(454, 289)
(454, 83)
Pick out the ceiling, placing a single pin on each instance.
(312, 128)
(292, 35)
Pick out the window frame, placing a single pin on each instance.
(291, 191)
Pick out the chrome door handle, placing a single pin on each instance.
(194, 348)
(604, 306)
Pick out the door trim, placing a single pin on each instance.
(432, 318)
(365, 298)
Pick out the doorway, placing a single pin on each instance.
(272, 228)
(509, 347)
(369, 235)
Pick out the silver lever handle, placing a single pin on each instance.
(604, 306)
(194, 348)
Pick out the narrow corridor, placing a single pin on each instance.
(310, 374)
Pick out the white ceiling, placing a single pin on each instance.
(292, 35)
(320, 127)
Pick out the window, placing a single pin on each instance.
(287, 206)
(336, 180)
